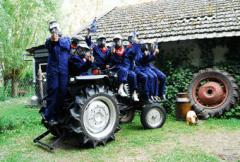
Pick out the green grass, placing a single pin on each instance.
(183, 156)
(20, 124)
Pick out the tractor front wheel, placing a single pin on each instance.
(153, 116)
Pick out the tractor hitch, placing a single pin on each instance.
(51, 146)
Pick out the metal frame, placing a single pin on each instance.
(51, 146)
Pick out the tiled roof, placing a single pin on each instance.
(172, 20)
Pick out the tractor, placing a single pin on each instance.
(93, 111)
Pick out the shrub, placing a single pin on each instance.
(178, 80)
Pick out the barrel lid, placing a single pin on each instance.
(183, 100)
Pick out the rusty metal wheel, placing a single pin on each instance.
(213, 91)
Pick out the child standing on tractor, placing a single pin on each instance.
(57, 73)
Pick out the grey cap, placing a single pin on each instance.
(83, 45)
(117, 36)
(101, 36)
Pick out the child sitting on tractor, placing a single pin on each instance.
(119, 61)
(81, 59)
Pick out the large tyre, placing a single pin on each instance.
(213, 91)
(153, 116)
(95, 116)
(128, 117)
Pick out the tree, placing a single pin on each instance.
(23, 24)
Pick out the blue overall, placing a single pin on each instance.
(162, 78)
(124, 68)
(57, 75)
(153, 83)
(77, 66)
(130, 64)
(160, 75)
(101, 59)
(142, 77)
(120, 67)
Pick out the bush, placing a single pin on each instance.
(178, 80)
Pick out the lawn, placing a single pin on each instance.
(211, 140)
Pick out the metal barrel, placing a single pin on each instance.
(183, 105)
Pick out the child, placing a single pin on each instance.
(101, 52)
(160, 75)
(119, 60)
(80, 60)
(143, 77)
(147, 58)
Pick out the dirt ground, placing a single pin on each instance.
(225, 145)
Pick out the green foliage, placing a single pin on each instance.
(25, 25)
(6, 124)
(178, 80)
(24, 85)
(177, 67)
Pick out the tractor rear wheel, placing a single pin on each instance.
(95, 116)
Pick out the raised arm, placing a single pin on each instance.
(88, 40)
(65, 43)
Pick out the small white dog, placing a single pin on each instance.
(191, 118)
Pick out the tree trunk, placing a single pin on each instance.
(14, 84)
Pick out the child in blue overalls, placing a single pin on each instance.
(120, 61)
(81, 59)
(57, 72)
(153, 85)
(101, 52)
(144, 71)
(160, 75)
(142, 77)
